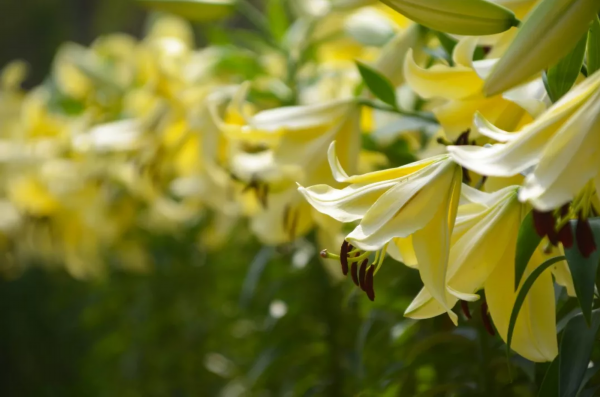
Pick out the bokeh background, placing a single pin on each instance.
(247, 320)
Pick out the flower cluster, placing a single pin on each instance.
(290, 133)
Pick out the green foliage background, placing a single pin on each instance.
(200, 324)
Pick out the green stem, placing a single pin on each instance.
(386, 108)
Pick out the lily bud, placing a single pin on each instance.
(465, 17)
(548, 34)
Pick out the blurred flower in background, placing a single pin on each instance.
(185, 184)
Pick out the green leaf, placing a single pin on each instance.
(575, 353)
(448, 43)
(589, 374)
(527, 242)
(563, 75)
(593, 47)
(549, 386)
(194, 10)
(378, 84)
(277, 17)
(583, 270)
(523, 294)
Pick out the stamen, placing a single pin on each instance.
(487, 322)
(362, 274)
(544, 225)
(326, 255)
(565, 236)
(294, 224)
(370, 288)
(585, 238)
(381, 258)
(354, 273)
(464, 305)
(360, 257)
(286, 215)
(344, 257)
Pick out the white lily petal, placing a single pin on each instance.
(488, 129)
(570, 159)
(433, 258)
(463, 296)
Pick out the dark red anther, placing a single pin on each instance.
(354, 273)
(564, 210)
(487, 322)
(370, 288)
(463, 139)
(565, 236)
(464, 305)
(466, 178)
(542, 222)
(344, 257)
(585, 238)
(544, 225)
(362, 274)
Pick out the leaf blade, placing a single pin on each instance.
(583, 270)
(527, 242)
(575, 353)
(378, 84)
(563, 75)
(593, 47)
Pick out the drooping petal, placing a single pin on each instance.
(433, 257)
(405, 208)
(341, 176)
(348, 204)
(525, 151)
(535, 331)
(569, 161)
(442, 81)
(401, 249)
(485, 128)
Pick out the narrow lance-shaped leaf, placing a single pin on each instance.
(523, 294)
(562, 76)
(527, 242)
(575, 353)
(583, 270)
(593, 47)
(278, 18)
(549, 386)
(378, 84)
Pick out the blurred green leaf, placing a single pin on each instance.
(575, 353)
(277, 17)
(562, 76)
(378, 84)
(593, 47)
(584, 270)
(527, 242)
(194, 10)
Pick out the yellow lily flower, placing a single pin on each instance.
(482, 257)
(562, 144)
(418, 200)
(300, 156)
(461, 88)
